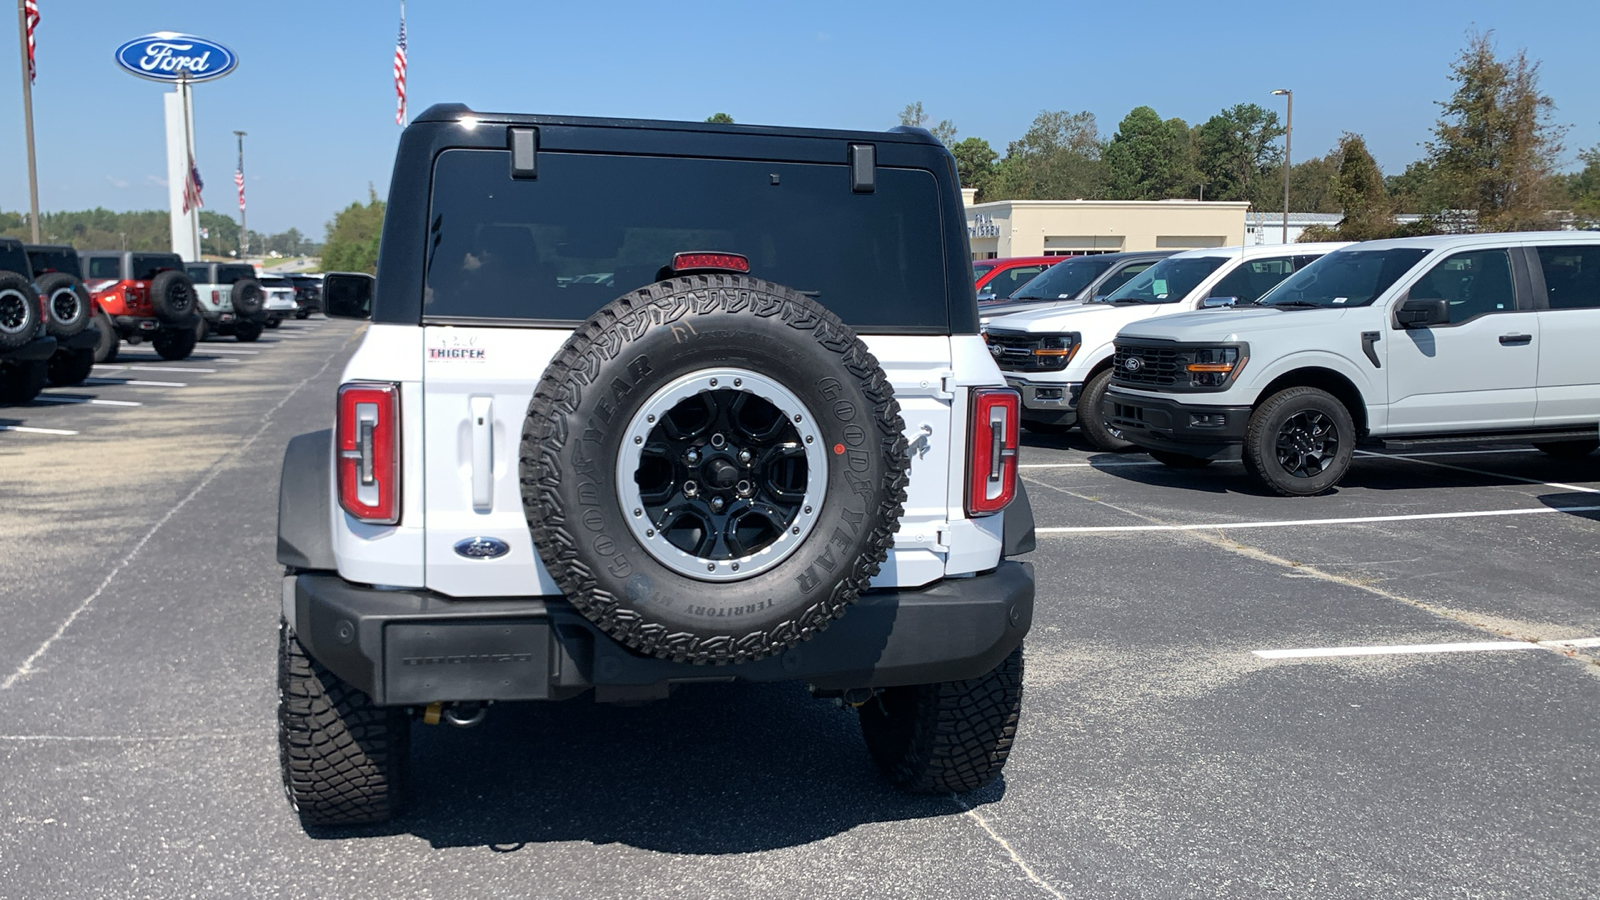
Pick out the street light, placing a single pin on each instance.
(1288, 135)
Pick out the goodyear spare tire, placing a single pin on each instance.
(173, 298)
(67, 302)
(249, 300)
(713, 468)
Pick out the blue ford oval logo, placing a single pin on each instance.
(482, 548)
(173, 57)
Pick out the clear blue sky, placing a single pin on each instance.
(313, 84)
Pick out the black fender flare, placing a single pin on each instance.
(1017, 534)
(305, 523)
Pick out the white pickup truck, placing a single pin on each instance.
(1060, 357)
(1413, 342)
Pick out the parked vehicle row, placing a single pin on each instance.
(1289, 358)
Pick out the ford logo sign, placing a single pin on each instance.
(172, 57)
(482, 548)
(1133, 364)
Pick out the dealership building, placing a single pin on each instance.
(1072, 227)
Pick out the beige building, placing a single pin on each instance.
(1070, 227)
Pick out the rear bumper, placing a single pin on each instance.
(136, 325)
(410, 647)
(1162, 423)
(33, 351)
(83, 340)
(1054, 402)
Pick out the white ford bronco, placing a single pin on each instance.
(229, 299)
(650, 403)
(1405, 343)
(1060, 357)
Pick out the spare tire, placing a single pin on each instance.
(713, 468)
(172, 296)
(66, 301)
(249, 300)
(19, 311)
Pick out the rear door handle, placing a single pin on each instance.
(1516, 340)
(482, 452)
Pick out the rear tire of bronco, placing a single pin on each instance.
(67, 301)
(1299, 442)
(202, 329)
(248, 299)
(70, 367)
(105, 349)
(1568, 449)
(701, 425)
(173, 297)
(174, 343)
(20, 382)
(1100, 436)
(246, 331)
(19, 311)
(950, 736)
(1178, 460)
(344, 760)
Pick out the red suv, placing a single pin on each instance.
(998, 279)
(141, 296)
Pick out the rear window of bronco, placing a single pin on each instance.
(590, 228)
(13, 258)
(64, 261)
(148, 265)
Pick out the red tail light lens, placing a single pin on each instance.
(368, 444)
(726, 262)
(992, 450)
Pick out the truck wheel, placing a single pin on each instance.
(1093, 422)
(302, 314)
(173, 298)
(202, 329)
(1299, 442)
(247, 331)
(949, 736)
(1178, 460)
(105, 349)
(173, 343)
(713, 468)
(274, 322)
(70, 367)
(344, 760)
(1568, 449)
(20, 382)
(67, 302)
(19, 311)
(249, 300)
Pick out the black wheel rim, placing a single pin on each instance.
(13, 312)
(1308, 442)
(65, 305)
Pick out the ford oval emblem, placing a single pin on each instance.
(1133, 364)
(482, 548)
(172, 57)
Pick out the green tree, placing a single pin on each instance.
(1150, 159)
(353, 234)
(1236, 149)
(1368, 211)
(1057, 159)
(913, 116)
(720, 118)
(1494, 146)
(1311, 184)
(975, 163)
(1583, 187)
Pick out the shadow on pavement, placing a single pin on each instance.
(725, 768)
(1582, 505)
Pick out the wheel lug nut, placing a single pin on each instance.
(744, 456)
(716, 503)
(693, 457)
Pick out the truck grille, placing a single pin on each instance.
(1145, 364)
(1014, 352)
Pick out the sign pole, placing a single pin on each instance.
(27, 117)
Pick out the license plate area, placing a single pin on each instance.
(477, 660)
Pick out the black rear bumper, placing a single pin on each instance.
(1162, 423)
(411, 647)
(40, 348)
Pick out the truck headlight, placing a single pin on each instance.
(1055, 351)
(1213, 367)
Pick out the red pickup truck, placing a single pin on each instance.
(998, 279)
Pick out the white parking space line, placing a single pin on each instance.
(134, 382)
(169, 369)
(1398, 649)
(26, 429)
(1119, 464)
(208, 348)
(95, 401)
(1351, 520)
(1549, 484)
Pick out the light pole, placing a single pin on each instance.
(244, 233)
(27, 117)
(1288, 135)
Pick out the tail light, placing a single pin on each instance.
(992, 450)
(368, 442)
(722, 262)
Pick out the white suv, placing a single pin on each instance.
(1410, 342)
(1060, 357)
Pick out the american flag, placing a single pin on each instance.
(238, 179)
(31, 14)
(192, 185)
(400, 70)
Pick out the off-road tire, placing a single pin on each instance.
(173, 343)
(605, 373)
(174, 299)
(1178, 460)
(949, 736)
(70, 367)
(246, 332)
(344, 760)
(67, 302)
(19, 311)
(1568, 449)
(1262, 434)
(273, 322)
(248, 299)
(105, 349)
(202, 329)
(22, 381)
(1100, 436)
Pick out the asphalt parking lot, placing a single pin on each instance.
(1388, 691)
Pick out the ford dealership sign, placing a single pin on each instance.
(169, 56)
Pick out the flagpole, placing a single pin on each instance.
(244, 233)
(188, 173)
(27, 116)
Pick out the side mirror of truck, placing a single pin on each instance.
(1219, 303)
(1416, 313)
(347, 295)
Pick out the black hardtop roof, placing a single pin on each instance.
(455, 112)
(10, 242)
(52, 248)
